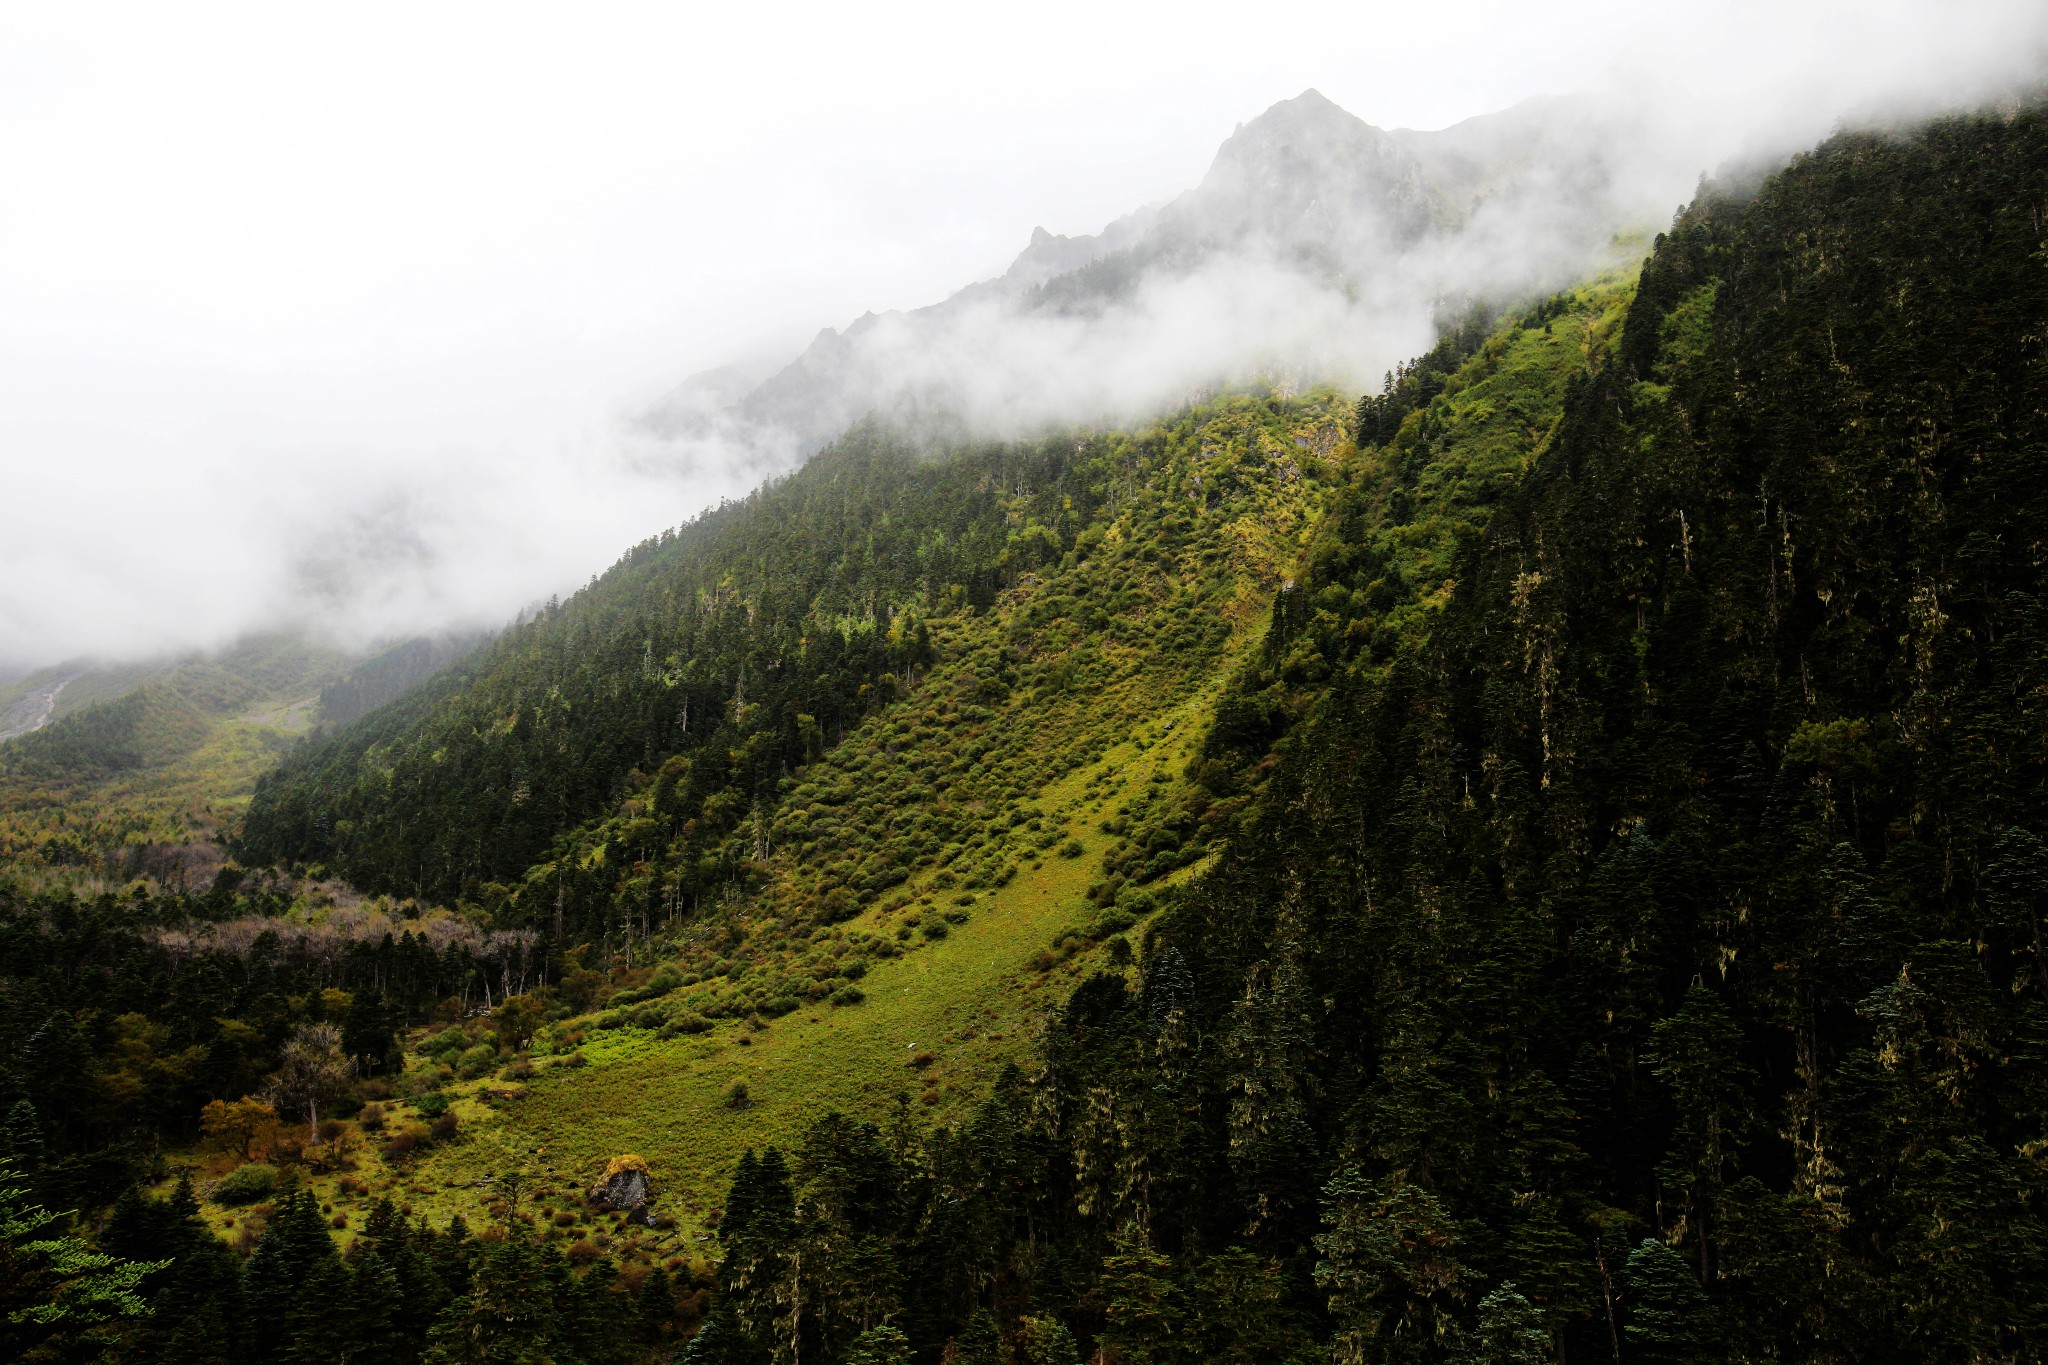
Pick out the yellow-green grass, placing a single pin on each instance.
(970, 1001)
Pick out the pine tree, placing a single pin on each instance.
(1509, 1332)
(54, 1290)
(1046, 1341)
(721, 1341)
(510, 1314)
(655, 1306)
(294, 1251)
(1390, 1267)
(1670, 1320)
(24, 1137)
(1145, 1304)
(373, 1313)
(879, 1346)
(1697, 1053)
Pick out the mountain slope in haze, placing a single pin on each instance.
(1633, 935)
(1645, 948)
(803, 890)
(1546, 862)
(137, 771)
(1315, 246)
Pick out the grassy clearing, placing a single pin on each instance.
(970, 1002)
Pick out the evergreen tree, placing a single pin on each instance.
(883, 1345)
(510, 1315)
(1670, 1321)
(1046, 1341)
(1390, 1268)
(56, 1293)
(655, 1306)
(1509, 1332)
(721, 1341)
(24, 1136)
(294, 1255)
(1145, 1305)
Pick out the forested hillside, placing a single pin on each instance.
(137, 772)
(1544, 862)
(1640, 957)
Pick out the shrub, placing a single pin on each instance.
(573, 1061)
(444, 1129)
(520, 1069)
(432, 1104)
(476, 1061)
(847, 995)
(245, 1185)
(449, 1039)
(583, 1252)
(372, 1118)
(1112, 922)
(738, 1096)
(1073, 848)
(935, 929)
(686, 1021)
(405, 1140)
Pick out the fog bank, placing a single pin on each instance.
(376, 322)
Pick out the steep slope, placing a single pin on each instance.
(1602, 918)
(1679, 879)
(135, 770)
(1628, 945)
(898, 909)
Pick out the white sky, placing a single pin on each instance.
(276, 278)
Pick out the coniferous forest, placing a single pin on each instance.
(1594, 911)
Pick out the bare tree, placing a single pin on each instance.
(313, 1068)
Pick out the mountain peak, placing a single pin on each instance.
(1307, 168)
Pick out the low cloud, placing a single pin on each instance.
(442, 452)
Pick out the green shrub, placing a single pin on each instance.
(476, 1061)
(245, 1185)
(1111, 922)
(449, 1039)
(432, 1105)
(847, 995)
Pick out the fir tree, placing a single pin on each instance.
(1509, 1332)
(1670, 1321)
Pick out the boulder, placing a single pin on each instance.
(625, 1187)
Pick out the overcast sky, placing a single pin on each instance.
(344, 304)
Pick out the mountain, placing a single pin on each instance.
(1306, 198)
(111, 773)
(1541, 861)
